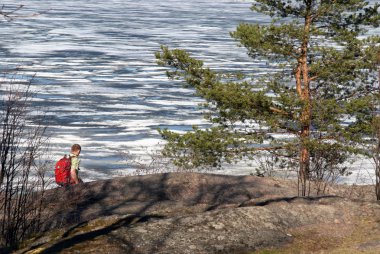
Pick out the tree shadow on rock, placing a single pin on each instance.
(143, 197)
(83, 237)
(103, 198)
(306, 200)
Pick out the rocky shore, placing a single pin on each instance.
(207, 213)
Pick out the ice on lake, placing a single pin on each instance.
(96, 75)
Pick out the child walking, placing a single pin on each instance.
(75, 161)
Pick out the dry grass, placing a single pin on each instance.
(362, 236)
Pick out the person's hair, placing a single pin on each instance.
(76, 147)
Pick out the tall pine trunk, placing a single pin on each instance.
(304, 153)
(303, 88)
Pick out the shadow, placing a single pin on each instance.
(68, 232)
(150, 197)
(215, 191)
(74, 206)
(67, 243)
(104, 198)
(287, 199)
(222, 191)
(5, 250)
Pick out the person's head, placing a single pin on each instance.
(75, 149)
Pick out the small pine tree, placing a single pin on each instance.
(322, 93)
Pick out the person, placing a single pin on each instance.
(75, 161)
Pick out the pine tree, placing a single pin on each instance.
(322, 92)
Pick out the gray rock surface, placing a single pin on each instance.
(196, 213)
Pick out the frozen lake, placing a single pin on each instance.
(96, 75)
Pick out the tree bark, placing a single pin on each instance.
(303, 87)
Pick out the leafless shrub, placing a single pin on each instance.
(152, 162)
(273, 165)
(326, 168)
(22, 172)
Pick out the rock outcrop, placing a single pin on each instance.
(202, 213)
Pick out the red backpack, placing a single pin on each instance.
(62, 171)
